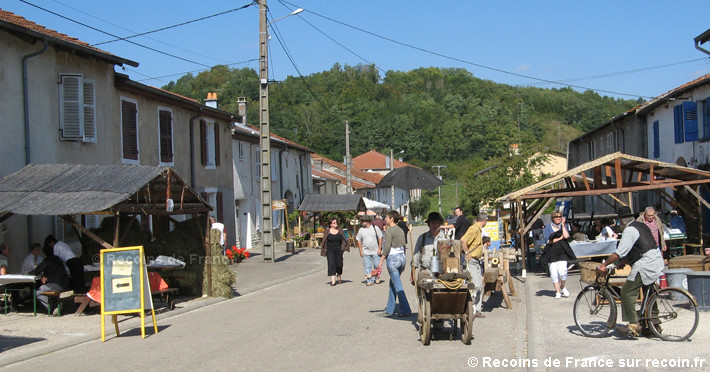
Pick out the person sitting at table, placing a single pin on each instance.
(4, 253)
(607, 233)
(577, 234)
(33, 258)
(54, 277)
(677, 222)
(74, 264)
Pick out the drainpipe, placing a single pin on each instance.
(192, 148)
(26, 104)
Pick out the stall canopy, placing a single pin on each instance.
(66, 189)
(332, 203)
(616, 175)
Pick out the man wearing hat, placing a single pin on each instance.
(425, 248)
(369, 242)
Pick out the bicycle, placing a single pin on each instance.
(669, 313)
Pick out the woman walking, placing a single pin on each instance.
(393, 252)
(557, 253)
(333, 246)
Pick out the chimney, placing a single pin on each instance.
(242, 105)
(211, 100)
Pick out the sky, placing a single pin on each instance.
(624, 49)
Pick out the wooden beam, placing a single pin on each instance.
(86, 232)
(650, 175)
(700, 198)
(607, 203)
(6, 216)
(586, 183)
(116, 225)
(167, 189)
(618, 200)
(523, 248)
(538, 214)
(657, 185)
(597, 176)
(128, 229)
(607, 175)
(619, 178)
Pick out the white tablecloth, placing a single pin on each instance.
(598, 248)
(17, 278)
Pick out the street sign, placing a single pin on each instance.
(279, 204)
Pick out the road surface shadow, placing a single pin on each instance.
(11, 342)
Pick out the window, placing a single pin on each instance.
(165, 134)
(685, 122)
(690, 117)
(241, 150)
(656, 140)
(209, 138)
(129, 130)
(77, 108)
(214, 199)
(601, 145)
(610, 142)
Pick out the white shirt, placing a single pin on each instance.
(369, 238)
(30, 263)
(219, 226)
(63, 251)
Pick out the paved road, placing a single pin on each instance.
(288, 317)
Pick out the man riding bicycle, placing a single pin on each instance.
(639, 248)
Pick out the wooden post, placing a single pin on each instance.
(208, 251)
(523, 249)
(116, 228)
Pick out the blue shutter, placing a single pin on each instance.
(706, 121)
(656, 140)
(690, 116)
(678, 123)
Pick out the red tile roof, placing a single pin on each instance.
(371, 177)
(375, 160)
(9, 19)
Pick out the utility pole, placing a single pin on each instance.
(457, 193)
(267, 237)
(348, 161)
(392, 168)
(438, 170)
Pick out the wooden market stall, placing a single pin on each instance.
(330, 203)
(67, 190)
(616, 175)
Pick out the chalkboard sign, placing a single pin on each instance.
(124, 285)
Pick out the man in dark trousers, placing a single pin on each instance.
(54, 277)
(76, 268)
(638, 246)
(461, 224)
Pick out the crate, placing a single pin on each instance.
(691, 261)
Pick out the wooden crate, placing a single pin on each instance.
(588, 273)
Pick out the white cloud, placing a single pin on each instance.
(523, 67)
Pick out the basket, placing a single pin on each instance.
(588, 271)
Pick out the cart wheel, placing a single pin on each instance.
(421, 298)
(467, 324)
(425, 324)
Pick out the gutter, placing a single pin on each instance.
(26, 112)
(192, 147)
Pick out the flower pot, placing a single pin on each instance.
(289, 247)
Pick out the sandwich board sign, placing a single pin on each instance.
(124, 286)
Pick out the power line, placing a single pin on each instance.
(175, 25)
(148, 37)
(190, 72)
(465, 61)
(110, 34)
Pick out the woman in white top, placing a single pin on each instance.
(607, 232)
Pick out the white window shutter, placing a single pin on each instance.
(89, 111)
(70, 111)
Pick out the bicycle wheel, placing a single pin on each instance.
(594, 311)
(672, 314)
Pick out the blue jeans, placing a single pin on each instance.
(395, 267)
(369, 263)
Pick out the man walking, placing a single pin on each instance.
(369, 242)
(472, 245)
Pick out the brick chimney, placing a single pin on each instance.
(211, 100)
(242, 105)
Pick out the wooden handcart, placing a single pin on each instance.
(437, 301)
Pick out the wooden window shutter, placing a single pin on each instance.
(678, 123)
(656, 140)
(89, 105)
(70, 112)
(216, 145)
(706, 122)
(129, 130)
(166, 136)
(690, 119)
(203, 141)
(220, 209)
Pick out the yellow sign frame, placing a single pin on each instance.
(144, 290)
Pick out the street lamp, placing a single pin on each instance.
(438, 170)
(267, 237)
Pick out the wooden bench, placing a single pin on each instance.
(84, 301)
(53, 296)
